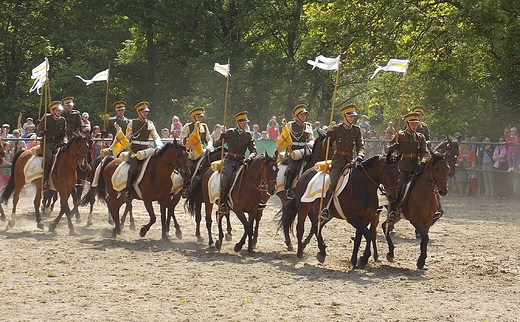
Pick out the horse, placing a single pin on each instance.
(155, 185)
(194, 201)
(73, 154)
(450, 149)
(358, 203)
(422, 203)
(247, 193)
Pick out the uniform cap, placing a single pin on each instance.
(197, 111)
(241, 117)
(349, 110)
(412, 117)
(301, 108)
(418, 109)
(56, 105)
(119, 105)
(142, 106)
(68, 100)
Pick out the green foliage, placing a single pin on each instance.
(463, 58)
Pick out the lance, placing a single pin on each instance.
(222, 140)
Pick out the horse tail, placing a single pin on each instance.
(289, 213)
(9, 189)
(194, 195)
(101, 187)
(90, 196)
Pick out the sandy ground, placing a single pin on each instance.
(473, 272)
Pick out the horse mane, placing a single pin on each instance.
(369, 162)
(319, 140)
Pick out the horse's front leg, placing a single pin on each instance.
(363, 260)
(373, 230)
(198, 219)
(321, 243)
(229, 234)
(259, 214)
(16, 197)
(144, 229)
(36, 202)
(113, 211)
(386, 230)
(421, 261)
(171, 215)
(355, 250)
(165, 223)
(3, 217)
(248, 232)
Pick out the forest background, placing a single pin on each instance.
(464, 58)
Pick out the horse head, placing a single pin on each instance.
(179, 157)
(450, 149)
(437, 171)
(264, 168)
(390, 175)
(79, 149)
(319, 148)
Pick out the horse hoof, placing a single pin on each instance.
(89, 223)
(114, 233)
(361, 264)
(390, 258)
(3, 218)
(169, 234)
(142, 232)
(47, 211)
(290, 248)
(229, 237)
(111, 222)
(422, 268)
(39, 225)
(52, 227)
(178, 234)
(218, 244)
(165, 239)
(132, 227)
(72, 232)
(11, 223)
(237, 248)
(200, 240)
(320, 257)
(78, 220)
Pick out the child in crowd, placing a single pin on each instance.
(176, 127)
(512, 149)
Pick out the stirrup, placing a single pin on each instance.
(289, 194)
(46, 185)
(128, 195)
(261, 206)
(184, 193)
(325, 214)
(224, 209)
(392, 216)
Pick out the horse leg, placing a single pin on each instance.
(144, 229)
(16, 197)
(321, 243)
(76, 198)
(248, 231)
(165, 223)
(355, 250)
(421, 261)
(300, 228)
(259, 214)
(36, 202)
(198, 218)
(2, 214)
(218, 243)
(373, 229)
(363, 260)
(314, 227)
(208, 209)
(129, 210)
(386, 230)
(113, 211)
(229, 234)
(171, 215)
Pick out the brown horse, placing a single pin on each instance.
(423, 202)
(450, 149)
(68, 158)
(358, 202)
(155, 185)
(254, 179)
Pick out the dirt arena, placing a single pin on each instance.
(473, 261)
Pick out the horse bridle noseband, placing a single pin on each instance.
(433, 184)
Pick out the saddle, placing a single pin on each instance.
(33, 169)
(214, 185)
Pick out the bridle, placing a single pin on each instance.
(76, 157)
(433, 183)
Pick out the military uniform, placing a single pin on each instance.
(73, 118)
(122, 121)
(423, 127)
(348, 140)
(238, 141)
(53, 135)
(138, 131)
(414, 154)
(301, 134)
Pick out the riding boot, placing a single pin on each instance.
(185, 188)
(289, 193)
(223, 202)
(129, 183)
(325, 213)
(46, 173)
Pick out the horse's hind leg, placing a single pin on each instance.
(229, 234)
(259, 214)
(388, 235)
(373, 230)
(165, 223)
(36, 202)
(421, 261)
(16, 197)
(2, 214)
(248, 233)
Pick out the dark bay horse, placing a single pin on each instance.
(358, 202)
(63, 176)
(450, 149)
(194, 201)
(423, 202)
(255, 178)
(155, 185)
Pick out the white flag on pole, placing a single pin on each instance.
(394, 65)
(325, 63)
(39, 74)
(222, 69)
(99, 77)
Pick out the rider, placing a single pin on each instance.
(187, 130)
(301, 134)
(238, 140)
(347, 137)
(138, 132)
(73, 117)
(120, 119)
(53, 134)
(414, 154)
(423, 127)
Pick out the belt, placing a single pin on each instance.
(345, 153)
(410, 155)
(299, 144)
(235, 155)
(140, 142)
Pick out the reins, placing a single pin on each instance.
(433, 183)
